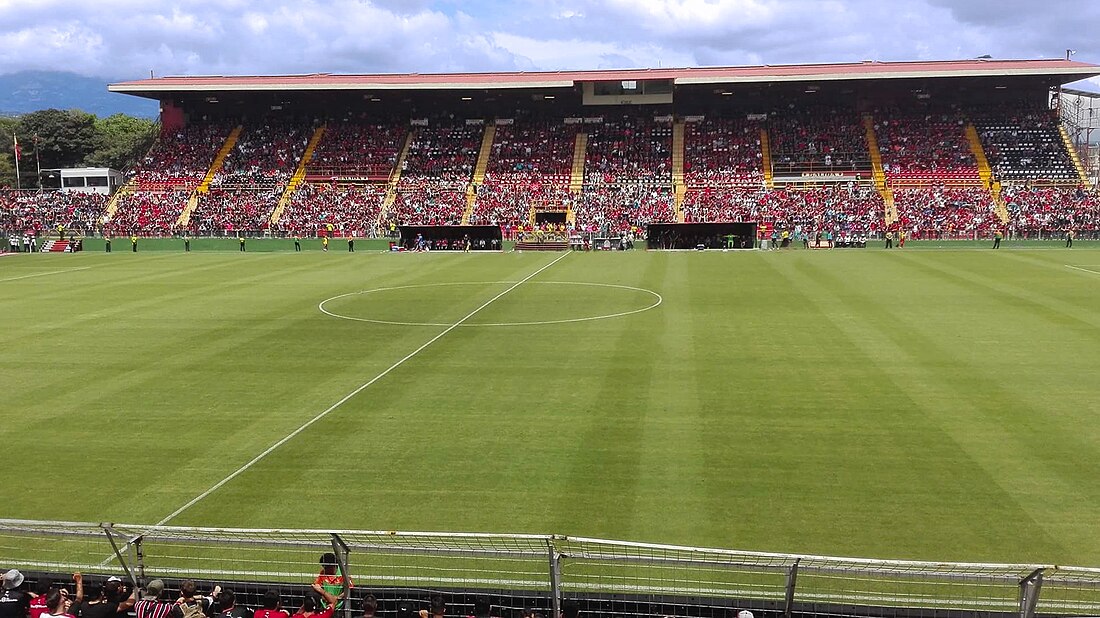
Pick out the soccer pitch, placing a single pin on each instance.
(930, 404)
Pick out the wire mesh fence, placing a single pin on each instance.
(538, 571)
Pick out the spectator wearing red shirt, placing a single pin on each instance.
(273, 606)
(317, 604)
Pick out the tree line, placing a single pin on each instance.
(70, 138)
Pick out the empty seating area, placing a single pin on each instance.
(818, 140)
(1026, 146)
(943, 212)
(362, 150)
(722, 152)
(40, 212)
(629, 150)
(930, 148)
(350, 210)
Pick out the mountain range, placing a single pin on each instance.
(29, 91)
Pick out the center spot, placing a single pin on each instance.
(535, 303)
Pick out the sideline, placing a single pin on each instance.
(1084, 270)
(52, 272)
(347, 397)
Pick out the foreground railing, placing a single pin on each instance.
(553, 567)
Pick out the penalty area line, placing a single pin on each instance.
(346, 398)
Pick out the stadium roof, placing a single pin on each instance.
(867, 70)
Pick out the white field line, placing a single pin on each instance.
(1084, 270)
(52, 272)
(345, 398)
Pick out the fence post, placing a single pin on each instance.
(341, 551)
(1029, 592)
(788, 600)
(109, 531)
(139, 557)
(555, 578)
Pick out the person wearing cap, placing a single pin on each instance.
(151, 604)
(15, 602)
(97, 605)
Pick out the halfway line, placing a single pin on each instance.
(52, 272)
(353, 393)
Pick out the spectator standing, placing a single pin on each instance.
(191, 604)
(14, 601)
(273, 606)
(227, 601)
(98, 605)
(151, 605)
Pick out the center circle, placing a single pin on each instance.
(653, 300)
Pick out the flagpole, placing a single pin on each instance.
(37, 162)
(15, 143)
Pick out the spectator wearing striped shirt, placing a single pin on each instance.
(151, 605)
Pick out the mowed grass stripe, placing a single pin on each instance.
(893, 404)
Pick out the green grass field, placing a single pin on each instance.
(934, 404)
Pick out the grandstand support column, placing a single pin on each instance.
(766, 158)
(1075, 156)
(299, 175)
(890, 214)
(1029, 592)
(109, 531)
(580, 150)
(395, 177)
(341, 551)
(788, 597)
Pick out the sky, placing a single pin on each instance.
(126, 39)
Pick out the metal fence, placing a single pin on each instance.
(684, 580)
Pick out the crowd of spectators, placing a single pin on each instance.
(925, 148)
(358, 149)
(426, 200)
(629, 150)
(817, 139)
(38, 212)
(228, 211)
(622, 208)
(181, 158)
(530, 167)
(1051, 210)
(945, 212)
(265, 156)
(147, 213)
(444, 152)
(720, 151)
(838, 208)
(350, 210)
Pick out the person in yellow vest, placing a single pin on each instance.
(60, 232)
(107, 243)
(240, 239)
(324, 243)
(297, 243)
(1069, 239)
(997, 236)
(133, 243)
(901, 239)
(351, 244)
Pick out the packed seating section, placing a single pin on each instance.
(720, 152)
(818, 139)
(929, 148)
(628, 176)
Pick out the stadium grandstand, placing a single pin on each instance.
(946, 150)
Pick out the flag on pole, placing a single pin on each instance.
(15, 141)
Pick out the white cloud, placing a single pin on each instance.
(126, 38)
